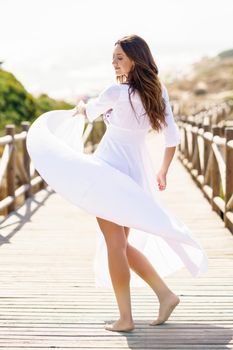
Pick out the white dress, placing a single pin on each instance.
(117, 181)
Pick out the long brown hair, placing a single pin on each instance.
(143, 77)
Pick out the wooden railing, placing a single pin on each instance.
(18, 177)
(206, 150)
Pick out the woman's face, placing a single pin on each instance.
(121, 63)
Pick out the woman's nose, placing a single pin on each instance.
(114, 61)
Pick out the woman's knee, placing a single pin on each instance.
(116, 240)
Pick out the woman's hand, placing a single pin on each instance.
(161, 180)
(80, 109)
(167, 158)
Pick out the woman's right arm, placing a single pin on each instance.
(80, 109)
(99, 105)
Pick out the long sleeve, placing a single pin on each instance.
(171, 131)
(105, 101)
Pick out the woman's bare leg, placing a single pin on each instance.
(116, 242)
(142, 266)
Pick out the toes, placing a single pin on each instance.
(111, 328)
(156, 323)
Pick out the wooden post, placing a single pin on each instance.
(179, 147)
(10, 130)
(215, 175)
(26, 159)
(229, 173)
(193, 141)
(186, 149)
(199, 170)
(195, 151)
(206, 149)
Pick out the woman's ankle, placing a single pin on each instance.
(163, 295)
(126, 319)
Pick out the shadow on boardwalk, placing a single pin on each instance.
(17, 219)
(179, 336)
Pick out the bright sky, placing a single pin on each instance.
(64, 47)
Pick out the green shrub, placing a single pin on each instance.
(17, 104)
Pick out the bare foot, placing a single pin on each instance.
(120, 326)
(165, 309)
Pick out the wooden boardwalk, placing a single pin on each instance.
(47, 294)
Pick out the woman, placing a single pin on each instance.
(138, 101)
(116, 183)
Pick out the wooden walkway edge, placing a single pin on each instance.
(47, 294)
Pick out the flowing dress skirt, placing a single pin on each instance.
(115, 183)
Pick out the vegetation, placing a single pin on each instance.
(17, 104)
(226, 54)
(45, 103)
(209, 82)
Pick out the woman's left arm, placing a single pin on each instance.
(162, 174)
(172, 139)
